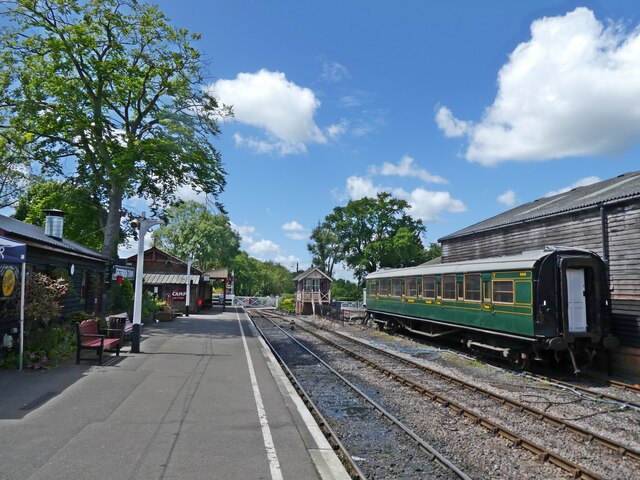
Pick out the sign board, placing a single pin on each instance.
(124, 272)
(178, 295)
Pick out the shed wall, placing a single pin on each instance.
(579, 229)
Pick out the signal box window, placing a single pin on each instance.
(449, 287)
(503, 291)
(472, 287)
(410, 286)
(396, 287)
(429, 283)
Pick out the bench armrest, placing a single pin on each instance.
(97, 335)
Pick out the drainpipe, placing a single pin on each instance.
(604, 224)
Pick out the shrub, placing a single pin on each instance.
(120, 297)
(42, 305)
(288, 304)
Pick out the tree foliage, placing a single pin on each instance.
(82, 222)
(375, 233)
(345, 290)
(109, 93)
(325, 248)
(255, 277)
(190, 229)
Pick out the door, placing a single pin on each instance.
(576, 301)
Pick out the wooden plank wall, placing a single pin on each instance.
(582, 230)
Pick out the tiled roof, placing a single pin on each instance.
(26, 231)
(606, 192)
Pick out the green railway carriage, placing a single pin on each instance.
(521, 306)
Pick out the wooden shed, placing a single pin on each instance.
(603, 217)
(313, 290)
(49, 252)
(166, 276)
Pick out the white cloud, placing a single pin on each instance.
(407, 168)
(583, 182)
(334, 72)
(264, 249)
(336, 130)
(451, 126)
(572, 89)
(423, 204)
(508, 198)
(268, 101)
(295, 231)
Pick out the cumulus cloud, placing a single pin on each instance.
(268, 101)
(508, 198)
(583, 182)
(295, 231)
(336, 130)
(423, 204)
(264, 249)
(572, 89)
(407, 168)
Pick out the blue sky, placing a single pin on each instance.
(463, 108)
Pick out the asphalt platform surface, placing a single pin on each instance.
(203, 400)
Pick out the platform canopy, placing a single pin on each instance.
(11, 251)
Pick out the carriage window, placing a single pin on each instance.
(410, 286)
(429, 283)
(396, 287)
(486, 291)
(503, 291)
(384, 286)
(439, 289)
(472, 287)
(373, 287)
(460, 290)
(449, 287)
(419, 285)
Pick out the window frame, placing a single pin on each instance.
(513, 291)
(407, 282)
(425, 284)
(478, 276)
(400, 288)
(452, 288)
(487, 291)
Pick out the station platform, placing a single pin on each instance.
(205, 399)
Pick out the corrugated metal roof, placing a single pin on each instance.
(168, 279)
(35, 233)
(614, 190)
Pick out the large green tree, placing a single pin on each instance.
(325, 248)
(82, 223)
(377, 232)
(190, 229)
(256, 277)
(15, 171)
(109, 93)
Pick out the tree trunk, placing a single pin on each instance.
(112, 228)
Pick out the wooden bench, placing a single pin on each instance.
(91, 337)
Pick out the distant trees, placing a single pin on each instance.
(190, 229)
(369, 234)
(108, 93)
(325, 247)
(255, 277)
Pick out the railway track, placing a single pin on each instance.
(366, 436)
(544, 453)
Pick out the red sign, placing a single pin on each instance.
(178, 295)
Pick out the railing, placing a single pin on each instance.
(256, 302)
(314, 297)
(350, 305)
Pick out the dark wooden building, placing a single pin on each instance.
(166, 276)
(603, 217)
(49, 252)
(313, 290)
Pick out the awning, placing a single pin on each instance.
(12, 252)
(168, 279)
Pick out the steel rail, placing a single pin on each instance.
(533, 412)
(352, 468)
(437, 456)
(542, 453)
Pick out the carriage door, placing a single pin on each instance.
(576, 300)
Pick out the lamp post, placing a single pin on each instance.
(144, 224)
(186, 306)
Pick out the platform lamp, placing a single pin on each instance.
(186, 306)
(144, 224)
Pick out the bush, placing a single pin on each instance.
(120, 297)
(288, 304)
(151, 304)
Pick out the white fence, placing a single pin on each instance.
(256, 302)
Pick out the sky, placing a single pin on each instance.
(464, 109)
